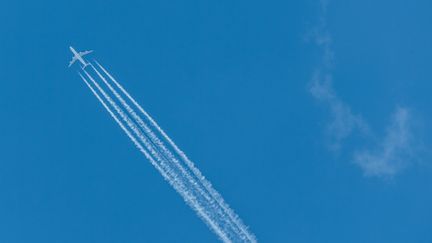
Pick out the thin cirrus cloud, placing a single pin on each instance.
(343, 122)
(393, 152)
(383, 157)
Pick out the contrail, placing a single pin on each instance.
(215, 209)
(194, 188)
(166, 172)
(239, 228)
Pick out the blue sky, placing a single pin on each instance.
(312, 122)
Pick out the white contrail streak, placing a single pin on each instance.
(163, 168)
(239, 227)
(122, 126)
(214, 209)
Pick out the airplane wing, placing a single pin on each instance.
(83, 53)
(73, 60)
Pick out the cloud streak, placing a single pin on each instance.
(392, 153)
(395, 150)
(343, 122)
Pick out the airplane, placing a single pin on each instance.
(79, 56)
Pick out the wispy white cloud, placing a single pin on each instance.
(392, 153)
(343, 122)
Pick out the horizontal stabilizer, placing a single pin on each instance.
(83, 53)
